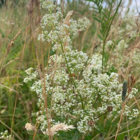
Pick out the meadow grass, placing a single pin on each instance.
(20, 50)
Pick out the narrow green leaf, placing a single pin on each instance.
(105, 14)
(99, 36)
(97, 19)
(95, 14)
(95, 11)
(2, 33)
(91, 0)
(109, 3)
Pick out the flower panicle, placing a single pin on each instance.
(59, 127)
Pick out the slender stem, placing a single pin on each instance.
(103, 56)
(112, 20)
(70, 73)
(106, 35)
(123, 107)
(10, 130)
(43, 83)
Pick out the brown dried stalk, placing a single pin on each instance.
(12, 42)
(44, 95)
(123, 107)
(131, 82)
(10, 62)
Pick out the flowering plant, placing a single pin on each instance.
(77, 92)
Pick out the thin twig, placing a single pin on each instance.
(10, 130)
(44, 94)
(123, 107)
(123, 132)
(12, 42)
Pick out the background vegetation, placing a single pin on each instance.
(19, 29)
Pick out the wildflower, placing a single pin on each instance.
(28, 71)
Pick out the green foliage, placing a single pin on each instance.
(17, 102)
(136, 138)
(104, 14)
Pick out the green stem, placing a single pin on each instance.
(103, 56)
(106, 35)
(112, 20)
(70, 74)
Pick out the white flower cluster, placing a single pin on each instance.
(82, 96)
(136, 62)
(48, 4)
(59, 32)
(77, 26)
(78, 93)
(130, 20)
(128, 26)
(122, 34)
(31, 75)
(4, 135)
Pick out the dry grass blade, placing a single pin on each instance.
(10, 89)
(10, 130)
(66, 21)
(12, 42)
(59, 127)
(123, 132)
(10, 62)
(121, 115)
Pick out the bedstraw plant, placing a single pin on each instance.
(72, 90)
(104, 13)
